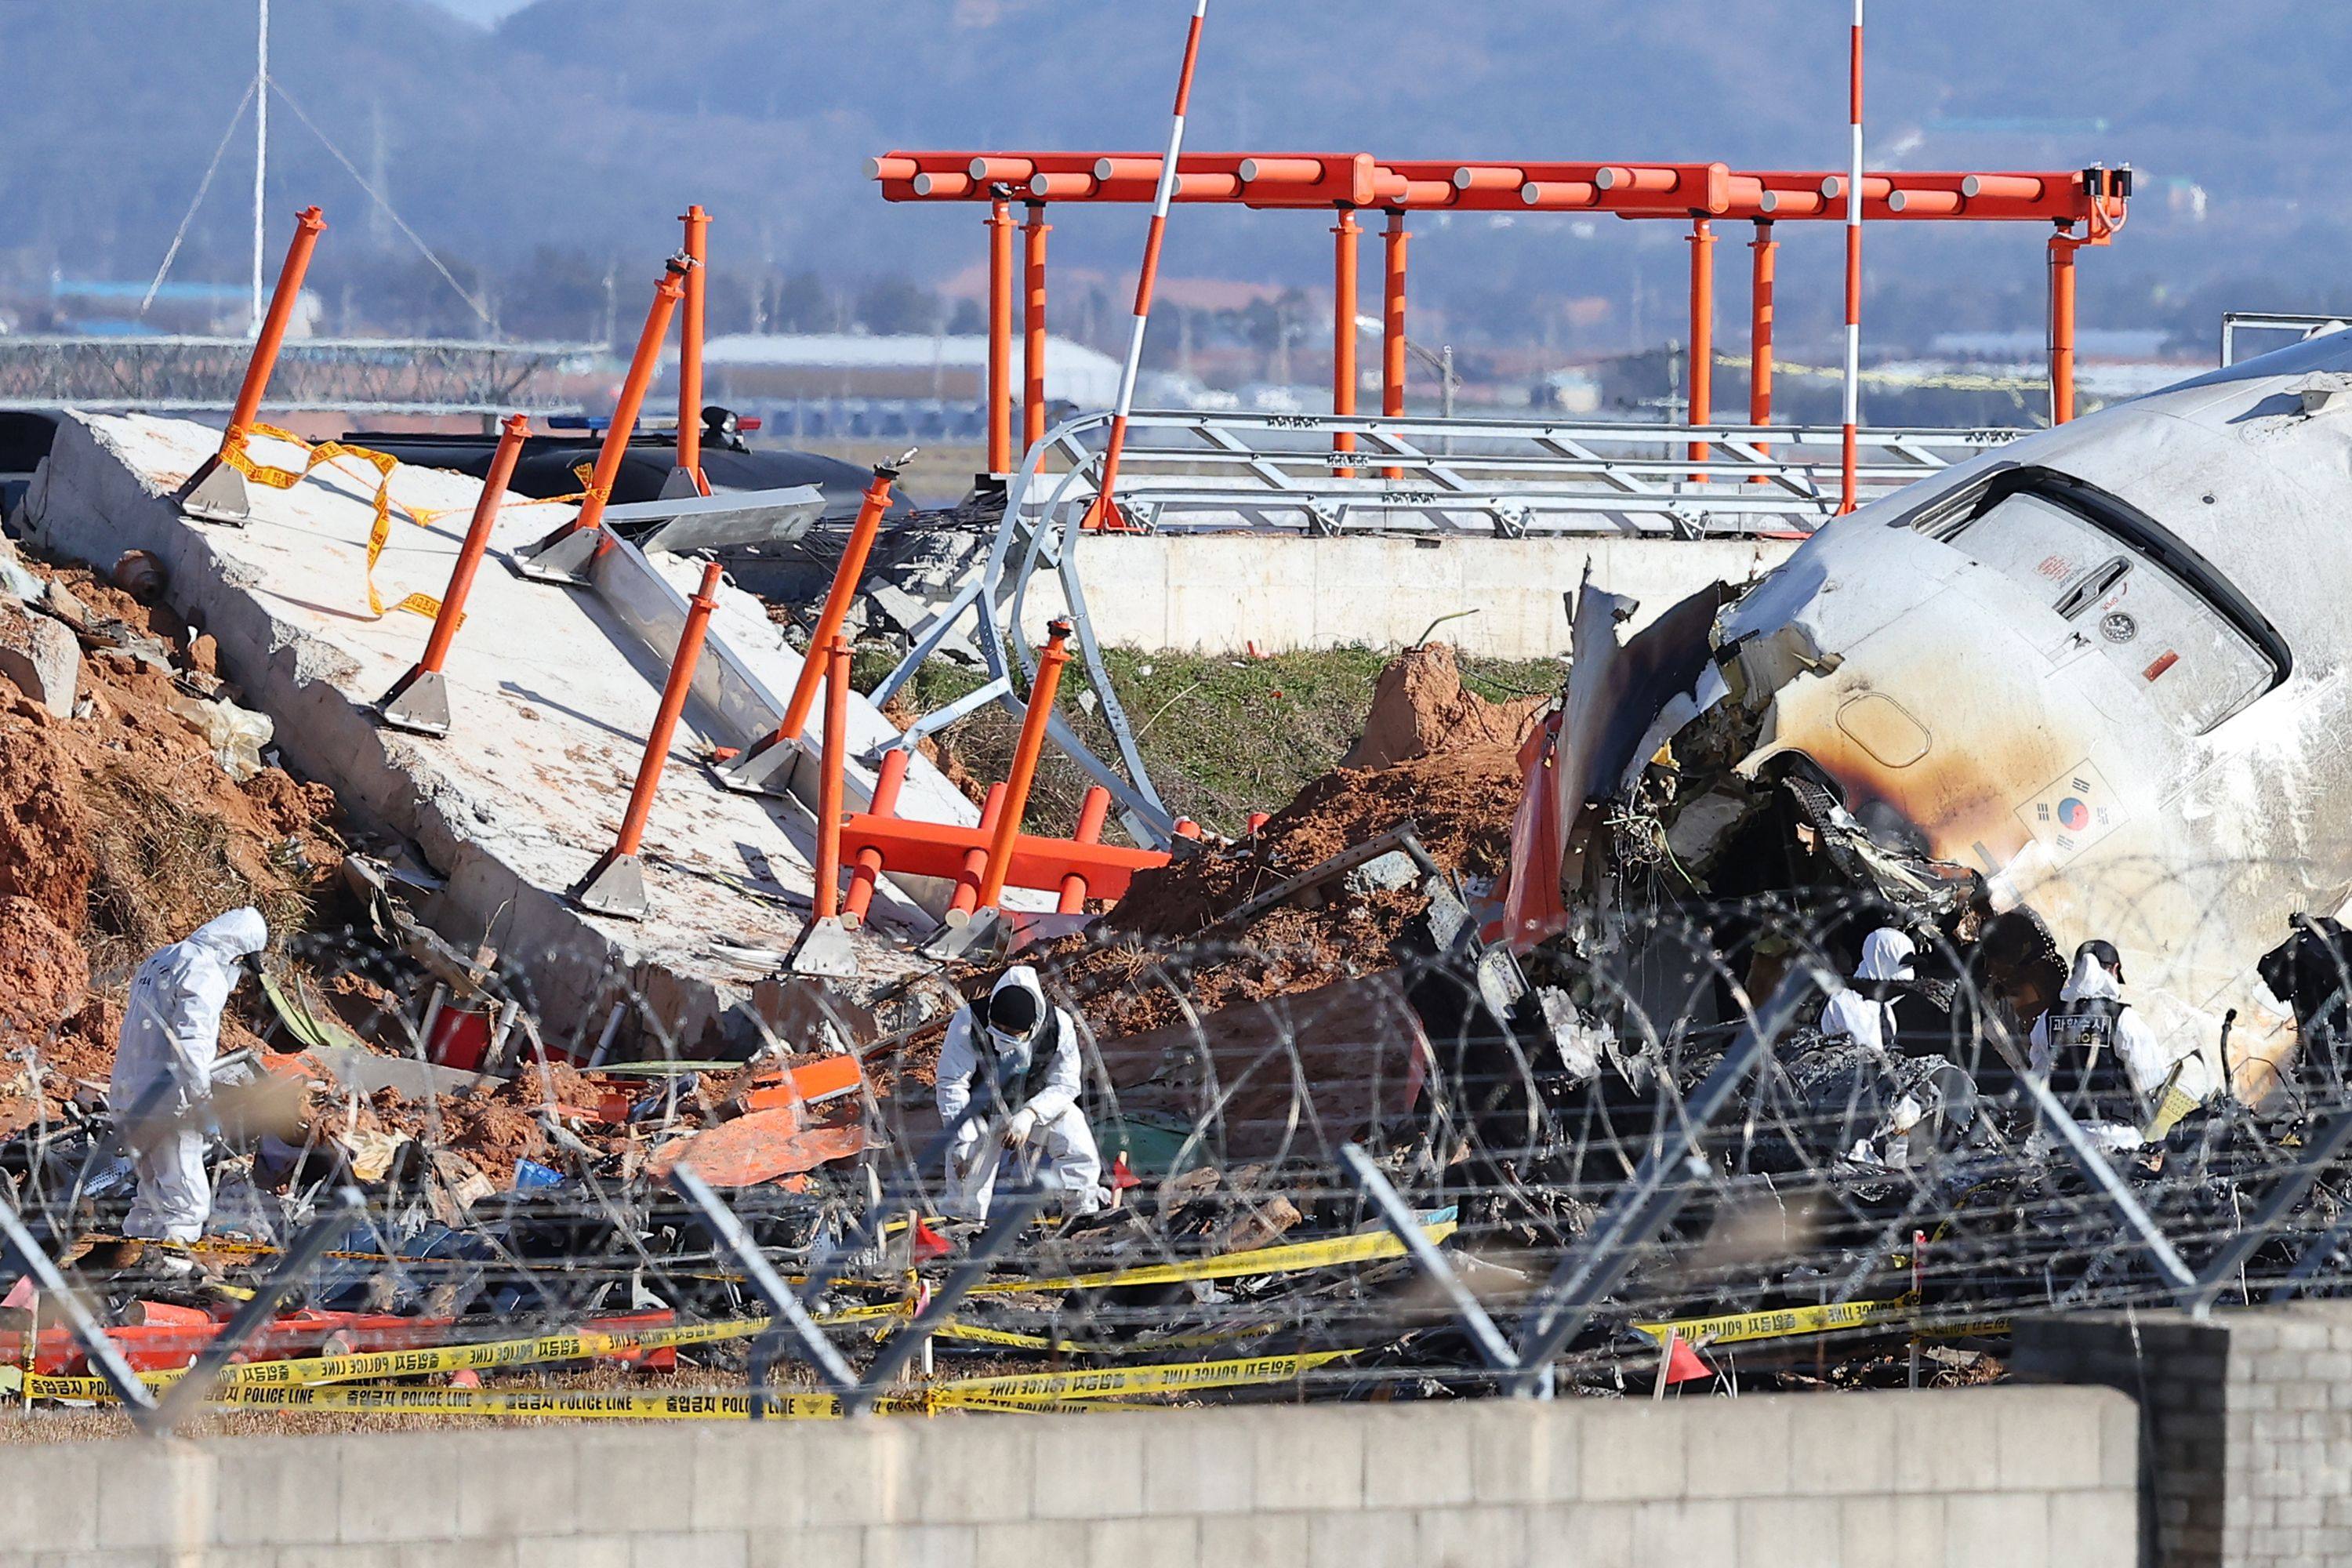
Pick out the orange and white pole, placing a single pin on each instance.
(689, 349)
(1103, 514)
(1846, 461)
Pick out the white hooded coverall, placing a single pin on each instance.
(171, 1037)
(1046, 1129)
(2147, 1063)
(1870, 1020)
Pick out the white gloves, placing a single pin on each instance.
(1018, 1131)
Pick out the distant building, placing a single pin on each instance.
(852, 364)
(855, 385)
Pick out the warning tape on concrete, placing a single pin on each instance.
(1294, 1258)
(234, 454)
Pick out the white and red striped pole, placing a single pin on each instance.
(1852, 279)
(1102, 514)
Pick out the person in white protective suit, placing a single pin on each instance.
(1863, 1011)
(161, 1084)
(1018, 1055)
(2093, 1021)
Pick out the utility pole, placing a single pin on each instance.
(260, 147)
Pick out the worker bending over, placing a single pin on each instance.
(161, 1089)
(1863, 1011)
(1018, 1055)
(2092, 1028)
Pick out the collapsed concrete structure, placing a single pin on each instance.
(552, 690)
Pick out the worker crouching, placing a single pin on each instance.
(161, 1089)
(1017, 1055)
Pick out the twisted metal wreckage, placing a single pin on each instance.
(2077, 688)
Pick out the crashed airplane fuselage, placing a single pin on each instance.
(2093, 682)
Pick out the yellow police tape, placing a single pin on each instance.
(234, 453)
(1028, 1393)
(586, 1345)
(1793, 1322)
(1371, 1246)
(304, 1371)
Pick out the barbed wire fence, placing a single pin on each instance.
(1439, 1170)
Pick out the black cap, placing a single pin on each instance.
(1012, 1010)
(2104, 951)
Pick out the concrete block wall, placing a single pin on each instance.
(2247, 1423)
(1216, 593)
(2015, 1476)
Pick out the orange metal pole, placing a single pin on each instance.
(827, 899)
(1343, 331)
(1392, 338)
(666, 294)
(673, 704)
(975, 861)
(1702, 334)
(1050, 659)
(835, 610)
(478, 541)
(689, 348)
(1759, 329)
(308, 225)
(1000, 336)
(888, 781)
(2062, 247)
(1033, 326)
(1092, 813)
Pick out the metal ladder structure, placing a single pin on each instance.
(1468, 479)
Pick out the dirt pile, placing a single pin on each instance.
(1420, 708)
(119, 832)
(1162, 950)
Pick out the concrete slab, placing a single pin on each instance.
(551, 692)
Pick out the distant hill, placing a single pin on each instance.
(585, 125)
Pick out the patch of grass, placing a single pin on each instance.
(166, 862)
(1221, 736)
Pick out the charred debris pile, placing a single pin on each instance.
(1340, 975)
